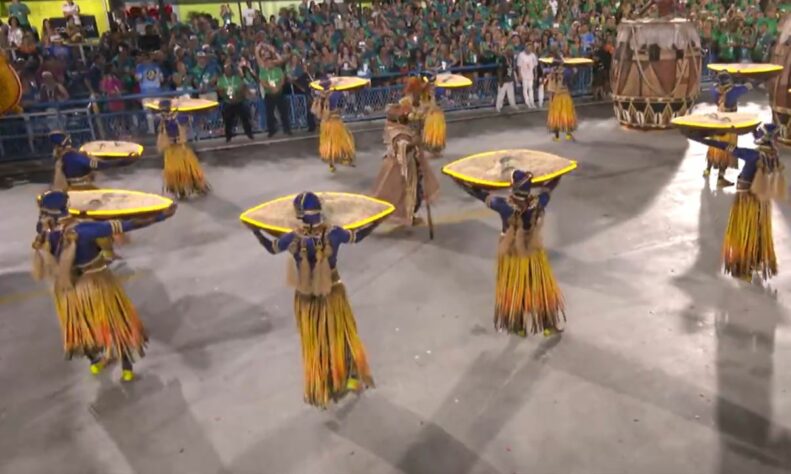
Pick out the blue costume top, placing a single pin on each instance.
(507, 207)
(86, 234)
(308, 245)
(173, 122)
(728, 102)
(78, 166)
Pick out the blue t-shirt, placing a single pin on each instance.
(149, 76)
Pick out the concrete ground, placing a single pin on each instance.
(667, 366)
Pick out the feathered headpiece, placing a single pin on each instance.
(765, 133)
(307, 206)
(521, 182)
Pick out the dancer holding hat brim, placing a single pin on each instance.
(561, 118)
(726, 96)
(182, 174)
(748, 246)
(336, 143)
(333, 356)
(97, 318)
(527, 295)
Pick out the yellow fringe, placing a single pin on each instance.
(434, 130)
(182, 174)
(722, 159)
(96, 315)
(331, 349)
(336, 143)
(526, 288)
(562, 116)
(748, 246)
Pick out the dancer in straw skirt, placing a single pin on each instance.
(74, 170)
(405, 178)
(527, 295)
(726, 96)
(332, 354)
(97, 319)
(336, 143)
(182, 173)
(561, 117)
(748, 247)
(434, 133)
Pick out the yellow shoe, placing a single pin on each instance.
(352, 384)
(522, 333)
(706, 173)
(96, 368)
(548, 332)
(127, 376)
(569, 137)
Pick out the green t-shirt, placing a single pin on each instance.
(231, 88)
(273, 77)
(20, 11)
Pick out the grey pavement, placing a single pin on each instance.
(667, 366)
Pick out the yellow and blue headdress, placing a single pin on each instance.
(307, 206)
(165, 104)
(59, 138)
(54, 203)
(724, 78)
(765, 134)
(521, 182)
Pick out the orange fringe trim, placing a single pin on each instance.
(562, 116)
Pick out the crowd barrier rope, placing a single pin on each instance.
(24, 136)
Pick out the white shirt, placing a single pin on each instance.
(527, 63)
(72, 10)
(249, 14)
(553, 4)
(15, 37)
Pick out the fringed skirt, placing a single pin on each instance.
(336, 143)
(97, 316)
(434, 130)
(748, 246)
(722, 159)
(332, 352)
(562, 116)
(527, 294)
(183, 175)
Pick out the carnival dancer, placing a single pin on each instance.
(96, 316)
(333, 356)
(182, 174)
(561, 116)
(748, 246)
(527, 294)
(74, 170)
(336, 143)
(434, 131)
(726, 96)
(405, 178)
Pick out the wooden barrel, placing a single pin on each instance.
(655, 73)
(779, 95)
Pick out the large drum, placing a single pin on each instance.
(779, 85)
(655, 73)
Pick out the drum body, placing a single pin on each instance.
(655, 72)
(779, 96)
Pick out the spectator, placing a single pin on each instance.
(249, 14)
(272, 80)
(149, 75)
(71, 10)
(73, 31)
(527, 62)
(20, 11)
(50, 36)
(204, 76)
(15, 32)
(111, 86)
(51, 91)
(232, 91)
(505, 80)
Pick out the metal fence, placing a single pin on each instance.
(25, 136)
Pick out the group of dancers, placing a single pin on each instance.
(99, 322)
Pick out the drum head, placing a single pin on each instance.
(719, 122)
(111, 149)
(570, 62)
(185, 104)
(342, 83)
(104, 204)
(347, 210)
(493, 169)
(452, 81)
(748, 71)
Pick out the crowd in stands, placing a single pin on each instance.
(148, 51)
